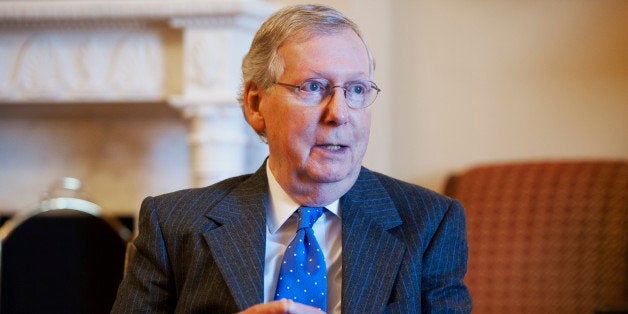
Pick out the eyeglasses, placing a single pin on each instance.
(358, 94)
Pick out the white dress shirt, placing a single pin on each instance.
(281, 226)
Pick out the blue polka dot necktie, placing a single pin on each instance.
(303, 274)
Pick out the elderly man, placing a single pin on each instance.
(312, 229)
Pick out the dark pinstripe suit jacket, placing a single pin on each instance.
(202, 250)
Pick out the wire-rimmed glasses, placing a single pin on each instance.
(358, 94)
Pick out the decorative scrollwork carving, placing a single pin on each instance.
(78, 66)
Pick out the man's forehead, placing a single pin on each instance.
(294, 42)
(299, 58)
(304, 34)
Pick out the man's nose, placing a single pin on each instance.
(336, 110)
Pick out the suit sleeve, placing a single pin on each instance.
(445, 264)
(147, 286)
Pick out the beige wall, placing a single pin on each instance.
(468, 82)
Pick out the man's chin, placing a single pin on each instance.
(333, 175)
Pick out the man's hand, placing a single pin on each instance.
(282, 306)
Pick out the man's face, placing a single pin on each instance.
(321, 143)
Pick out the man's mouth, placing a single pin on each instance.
(332, 147)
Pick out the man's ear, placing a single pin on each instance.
(252, 101)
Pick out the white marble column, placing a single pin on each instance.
(213, 49)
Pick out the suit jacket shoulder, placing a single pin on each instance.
(186, 247)
(180, 209)
(408, 241)
(422, 208)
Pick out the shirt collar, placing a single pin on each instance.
(282, 206)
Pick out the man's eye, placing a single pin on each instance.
(312, 86)
(357, 89)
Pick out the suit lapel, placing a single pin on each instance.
(371, 254)
(238, 244)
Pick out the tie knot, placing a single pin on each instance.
(308, 216)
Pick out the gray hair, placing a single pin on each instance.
(261, 64)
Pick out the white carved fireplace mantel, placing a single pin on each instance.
(184, 53)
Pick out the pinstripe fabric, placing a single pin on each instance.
(417, 254)
(202, 250)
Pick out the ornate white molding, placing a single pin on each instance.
(33, 11)
(90, 51)
(81, 66)
(124, 51)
